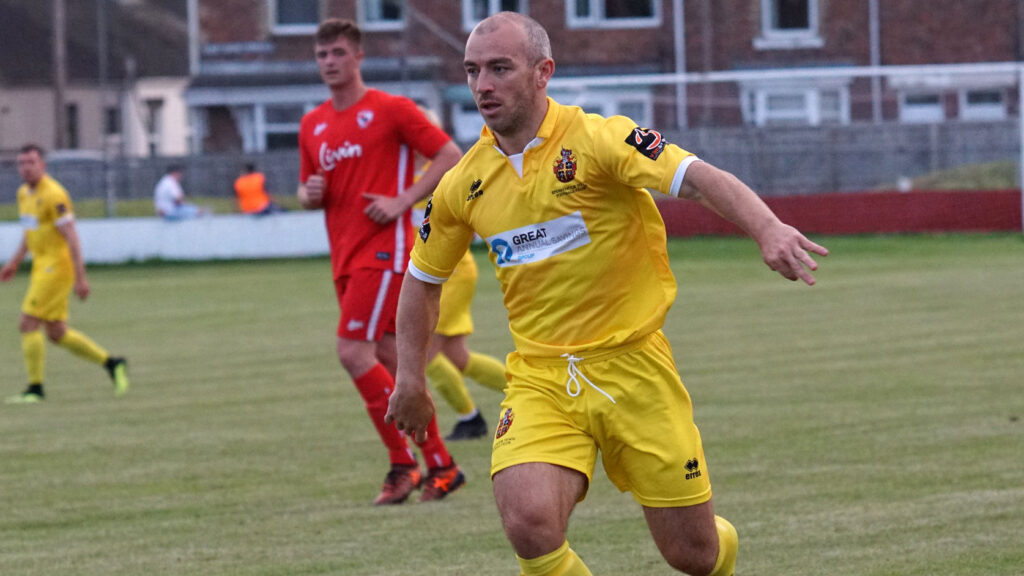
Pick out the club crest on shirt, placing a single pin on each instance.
(425, 226)
(474, 190)
(647, 142)
(565, 166)
(504, 423)
(364, 117)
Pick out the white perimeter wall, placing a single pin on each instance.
(230, 236)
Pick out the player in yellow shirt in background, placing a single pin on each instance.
(450, 359)
(579, 248)
(57, 268)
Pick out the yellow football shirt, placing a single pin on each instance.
(42, 209)
(575, 238)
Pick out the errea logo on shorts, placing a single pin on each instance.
(538, 242)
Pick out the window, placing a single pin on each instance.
(473, 11)
(789, 24)
(982, 104)
(71, 126)
(921, 108)
(466, 122)
(294, 16)
(154, 124)
(112, 121)
(613, 13)
(382, 15)
(282, 141)
(281, 125)
(790, 15)
(790, 105)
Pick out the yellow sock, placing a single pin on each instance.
(81, 345)
(486, 371)
(33, 346)
(449, 383)
(561, 562)
(728, 544)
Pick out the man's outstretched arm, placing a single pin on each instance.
(783, 248)
(410, 407)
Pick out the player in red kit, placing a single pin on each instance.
(357, 151)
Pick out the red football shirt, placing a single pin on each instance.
(368, 147)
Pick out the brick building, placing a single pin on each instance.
(254, 75)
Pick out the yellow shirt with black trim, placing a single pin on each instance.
(577, 242)
(42, 209)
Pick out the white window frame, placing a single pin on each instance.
(755, 97)
(597, 18)
(380, 25)
(493, 7)
(467, 122)
(772, 38)
(919, 113)
(267, 128)
(608, 102)
(292, 29)
(982, 112)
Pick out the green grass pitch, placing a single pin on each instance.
(871, 425)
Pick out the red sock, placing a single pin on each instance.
(434, 452)
(375, 387)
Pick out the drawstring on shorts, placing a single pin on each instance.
(572, 385)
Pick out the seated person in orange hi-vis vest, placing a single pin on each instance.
(451, 360)
(251, 193)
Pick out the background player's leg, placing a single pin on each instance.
(375, 384)
(75, 342)
(33, 350)
(33, 346)
(693, 540)
(448, 381)
(485, 370)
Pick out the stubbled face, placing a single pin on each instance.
(338, 62)
(501, 78)
(31, 167)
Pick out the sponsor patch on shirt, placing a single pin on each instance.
(647, 142)
(541, 241)
(425, 226)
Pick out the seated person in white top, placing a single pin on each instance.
(169, 197)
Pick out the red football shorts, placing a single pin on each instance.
(368, 299)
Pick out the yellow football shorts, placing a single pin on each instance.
(455, 318)
(627, 402)
(49, 288)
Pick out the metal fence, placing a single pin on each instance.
(839, 140)
(207, 175)
(774, 161)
